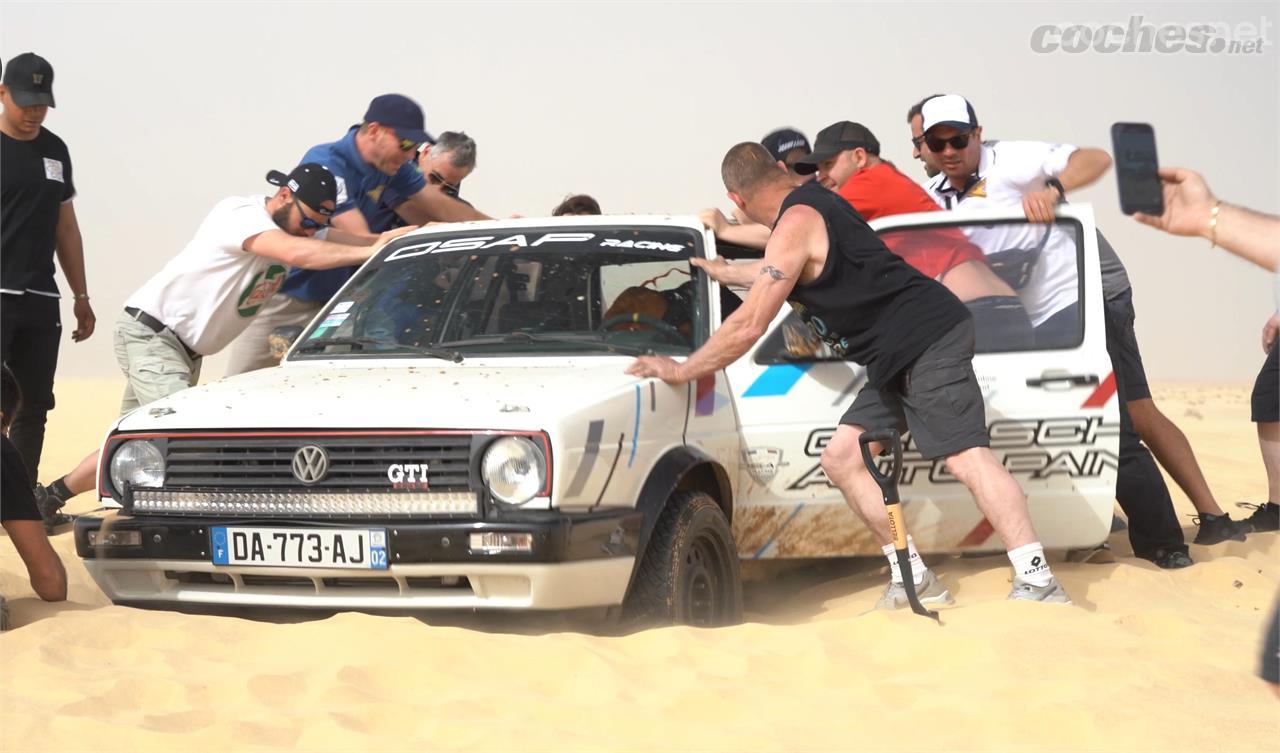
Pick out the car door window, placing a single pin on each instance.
(1020, 280)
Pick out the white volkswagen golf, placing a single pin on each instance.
(456, 430)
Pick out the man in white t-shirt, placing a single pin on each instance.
(1037, 260)
(206, 295)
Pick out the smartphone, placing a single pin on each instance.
(1134, 147)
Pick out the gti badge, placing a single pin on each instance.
(408, 476)
(310, 464)
(762, 463)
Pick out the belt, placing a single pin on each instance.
(157, 326)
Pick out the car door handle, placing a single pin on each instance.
(1062, 380)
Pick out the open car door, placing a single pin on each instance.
(1050, 401)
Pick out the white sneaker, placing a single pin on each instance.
(1052, 592)
(929, 591)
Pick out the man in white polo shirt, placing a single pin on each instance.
(207, 294)
(1037, 260)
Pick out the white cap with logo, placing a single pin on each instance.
(949, 110)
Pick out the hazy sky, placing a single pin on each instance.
(168, 108)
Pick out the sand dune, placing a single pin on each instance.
(1148, 660)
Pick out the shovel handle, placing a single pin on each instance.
(890, 440)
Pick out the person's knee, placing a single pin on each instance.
(969, 465)
(842, 457)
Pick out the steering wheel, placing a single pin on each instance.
(672, 334)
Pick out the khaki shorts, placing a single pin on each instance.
(154, 363)
(252, 350)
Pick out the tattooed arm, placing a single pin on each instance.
(799, 238)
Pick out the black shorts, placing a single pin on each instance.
(1266, 390)
(1122, 346)
(937, 398)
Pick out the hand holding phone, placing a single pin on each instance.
(1137, 168)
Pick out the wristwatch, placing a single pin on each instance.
(1056, 185)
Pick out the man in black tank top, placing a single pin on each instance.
(912, 335)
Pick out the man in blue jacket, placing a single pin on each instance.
(373, 157)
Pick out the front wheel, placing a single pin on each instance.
(689, 572)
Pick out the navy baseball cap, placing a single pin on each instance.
(400, 113)
(784, 140)
(30, 80)
(312, 183)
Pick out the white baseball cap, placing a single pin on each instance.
(949, 110)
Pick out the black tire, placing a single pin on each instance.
(689, 572)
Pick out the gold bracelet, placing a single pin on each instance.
(82, 296)
(1213, 223)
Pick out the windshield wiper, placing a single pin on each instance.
(514, 337)
(441, 353)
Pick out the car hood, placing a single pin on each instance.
(517, 395)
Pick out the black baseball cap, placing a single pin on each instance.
(784, 140)
(30, 80)
(400, 113)
(312, 183)
(836, 138)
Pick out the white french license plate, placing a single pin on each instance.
(358, 548)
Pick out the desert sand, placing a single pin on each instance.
(1147, 660)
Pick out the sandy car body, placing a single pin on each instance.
(407, 437)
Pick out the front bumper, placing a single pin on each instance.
(577, 561)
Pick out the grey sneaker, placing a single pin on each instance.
(1052, 593)
(930, 591)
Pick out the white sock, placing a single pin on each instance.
(917, 565)
(1030, 564)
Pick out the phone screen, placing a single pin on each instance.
(1134, 146)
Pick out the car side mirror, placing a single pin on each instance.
(281, 339)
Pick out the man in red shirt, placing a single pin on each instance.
(846, 157)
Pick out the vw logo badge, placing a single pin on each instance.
(310, 464)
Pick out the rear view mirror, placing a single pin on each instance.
(281, 339)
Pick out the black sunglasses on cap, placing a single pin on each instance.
(936, 144)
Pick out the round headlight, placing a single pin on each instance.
(514, 470)
(138, 462)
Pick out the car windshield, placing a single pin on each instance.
(589, 290)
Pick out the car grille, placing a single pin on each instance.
(354, 463)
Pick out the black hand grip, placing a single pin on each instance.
(890, 440)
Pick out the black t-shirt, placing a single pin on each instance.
(868, 304)
(35, 179)
(16, 499)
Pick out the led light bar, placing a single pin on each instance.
(298, 504)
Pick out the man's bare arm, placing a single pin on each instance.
(1084, 167)
(1188, 210)
(433, 205)
(48, 577)
(69, 245)
(348, 238)
(794, 242)
(313, 253)
(738, 274)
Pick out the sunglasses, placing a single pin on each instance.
(307, 223)
(958, 143)
(436, 179)
(916, 141)
(408, 145)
